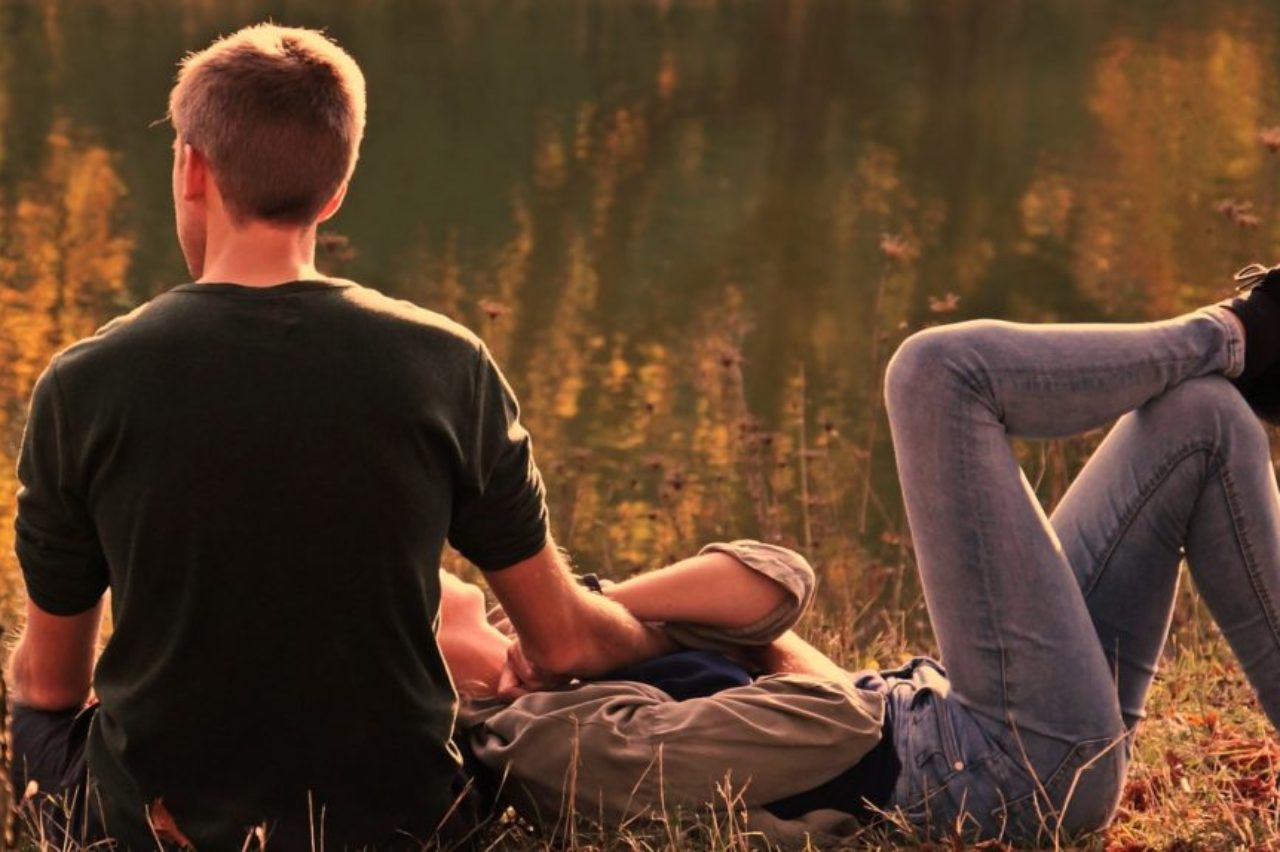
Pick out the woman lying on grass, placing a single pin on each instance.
(672, 729)
(1051, 627)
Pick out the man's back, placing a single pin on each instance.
(271, 473)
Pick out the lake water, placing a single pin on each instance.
(692, 232)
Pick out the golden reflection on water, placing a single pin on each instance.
(62, 264)
(692, 233)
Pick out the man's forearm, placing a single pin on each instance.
(28, 689)
(52, 665)
(597, 636)
(565, 629)
(610, 636)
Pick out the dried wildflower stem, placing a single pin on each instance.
(7, 802)
(873, 407)
(1270, 139)
(804, 468)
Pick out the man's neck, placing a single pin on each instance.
(259, 255)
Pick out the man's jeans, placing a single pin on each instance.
(1051, 628)
(49, 749)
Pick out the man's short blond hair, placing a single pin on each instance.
(278, 113)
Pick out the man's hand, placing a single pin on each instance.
(519, 676)
(564, 629)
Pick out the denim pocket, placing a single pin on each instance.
(936, 752)
(1079, 796)
(956, 774)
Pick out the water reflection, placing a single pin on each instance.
(62, 264)
(692, 232)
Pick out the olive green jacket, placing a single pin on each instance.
(621, 751)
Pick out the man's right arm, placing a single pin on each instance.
(565, 630)
(62, 560)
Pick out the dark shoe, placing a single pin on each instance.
(1264, 396)
(1258, 307)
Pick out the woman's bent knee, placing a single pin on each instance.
(942, 353)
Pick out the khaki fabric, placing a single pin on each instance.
(625, 750)
(618, 751)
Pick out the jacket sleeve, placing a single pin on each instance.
(786, 567)
(619, 750)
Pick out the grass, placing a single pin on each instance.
(1203, 775)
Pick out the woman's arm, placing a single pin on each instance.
(711, 588)
(789, 654)
(734, 594)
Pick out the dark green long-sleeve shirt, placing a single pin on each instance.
(265, 478)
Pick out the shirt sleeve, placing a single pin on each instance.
(56, 541)
(500, 510)
(782, 565)
(626, 749)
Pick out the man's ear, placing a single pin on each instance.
(193, 173)
(331, 206)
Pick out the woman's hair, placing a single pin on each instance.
(278, 113)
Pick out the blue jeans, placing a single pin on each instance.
(1051, 628)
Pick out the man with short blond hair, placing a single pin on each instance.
(263, 466)
(281, 112)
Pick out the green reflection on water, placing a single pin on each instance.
(693, 232)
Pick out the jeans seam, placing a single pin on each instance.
(968, 381)
(1144, 497)
(1081, 752)
(1242, 540)
(1246, 552)
(1101, 369)
(1243, 544)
